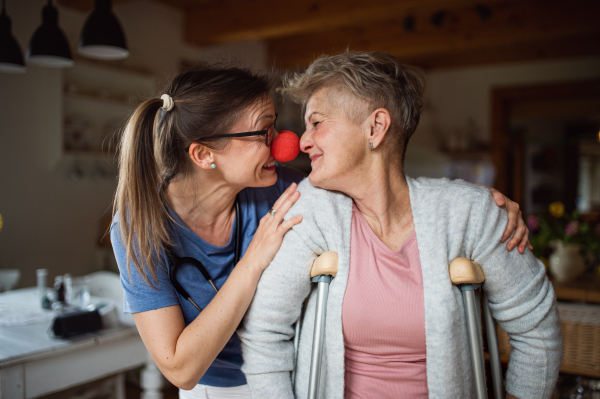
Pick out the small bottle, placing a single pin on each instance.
(59, 290)
(68, 283)
(594, 386)
(41, 284)
(579, 391)
(84, 299)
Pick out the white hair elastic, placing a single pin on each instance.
(168, 102)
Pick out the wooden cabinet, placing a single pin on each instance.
(584, 289)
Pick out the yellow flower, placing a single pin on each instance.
(556, 209)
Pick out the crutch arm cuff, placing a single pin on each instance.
(465, 271)
(325, 264)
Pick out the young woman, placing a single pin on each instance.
(198, 189)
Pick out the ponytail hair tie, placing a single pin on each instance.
(168, 102)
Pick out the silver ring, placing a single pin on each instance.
(272, 211)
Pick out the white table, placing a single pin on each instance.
(32, 364)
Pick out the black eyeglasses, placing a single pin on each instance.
(269, 133)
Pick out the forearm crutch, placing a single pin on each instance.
(468, 276)
(323, 270)
(297, 329)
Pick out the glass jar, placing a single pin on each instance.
(594, 386)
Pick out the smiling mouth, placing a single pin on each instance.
(269, 164)
(314, 158)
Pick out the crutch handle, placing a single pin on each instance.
(465, 271)
(325, 264)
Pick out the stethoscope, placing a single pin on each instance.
(176, 262)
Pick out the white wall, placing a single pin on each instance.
(51, 221)
(456, 95)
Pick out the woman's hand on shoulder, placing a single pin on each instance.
(515, 223)
(271, 229)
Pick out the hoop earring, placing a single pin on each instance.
(371, 146)
(212, 165)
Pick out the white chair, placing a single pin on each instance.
(106, 284)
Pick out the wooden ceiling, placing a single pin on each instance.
(427, 33)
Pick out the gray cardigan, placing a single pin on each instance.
(452, 219)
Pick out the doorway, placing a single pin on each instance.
(546, 145)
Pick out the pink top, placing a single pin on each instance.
(383, 318)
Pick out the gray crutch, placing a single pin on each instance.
(323, 270)
(468, 276)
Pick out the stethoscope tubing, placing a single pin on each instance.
(175, 261)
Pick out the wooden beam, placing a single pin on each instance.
(511, 24)
(239, 20)
(88, 5)
(83, 5)
(568, 47)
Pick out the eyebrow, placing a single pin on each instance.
(314, 113)
(309, 118)
(263, 117)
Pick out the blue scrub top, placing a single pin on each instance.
(225, 371)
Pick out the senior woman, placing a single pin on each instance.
(395, 323)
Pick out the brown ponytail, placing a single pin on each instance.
(209, 100)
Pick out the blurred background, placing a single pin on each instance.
(512, 101)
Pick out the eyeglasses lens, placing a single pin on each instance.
(270, 135)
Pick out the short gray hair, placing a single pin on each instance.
(375, 77)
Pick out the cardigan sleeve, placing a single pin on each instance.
(523, 302)
(268, 327)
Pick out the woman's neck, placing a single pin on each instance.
(207, 208)
(384, 201)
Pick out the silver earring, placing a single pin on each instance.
(212, 165)
(371, 146)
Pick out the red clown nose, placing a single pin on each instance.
(285, 146)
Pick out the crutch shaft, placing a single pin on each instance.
(474, 340)
(318, 338)
(296, 344)
(492, 341)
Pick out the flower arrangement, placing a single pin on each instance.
(561, 226)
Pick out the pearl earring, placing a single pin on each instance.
(212, 165)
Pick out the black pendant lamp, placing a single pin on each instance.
(11, 57)
(49, 46)
(102, 36)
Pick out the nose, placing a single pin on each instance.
(306, 142)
